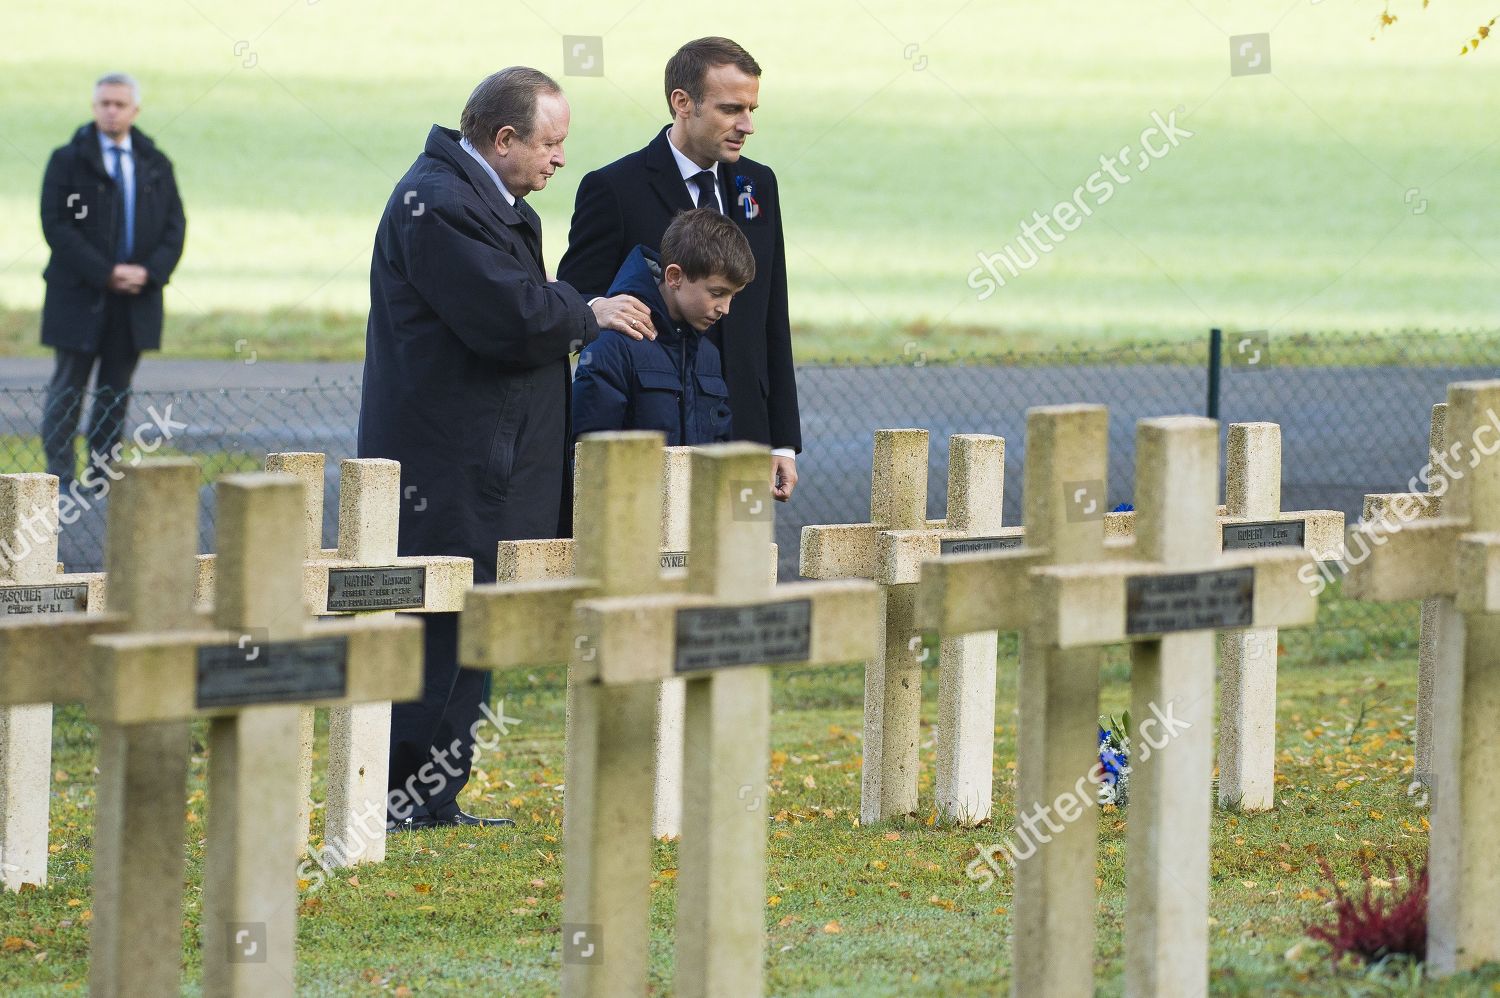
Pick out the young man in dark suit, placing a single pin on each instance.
(114, 221)
(712, 89)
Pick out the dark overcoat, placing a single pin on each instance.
(466, 373)
(81, 220)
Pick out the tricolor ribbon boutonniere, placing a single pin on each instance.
(749, 207)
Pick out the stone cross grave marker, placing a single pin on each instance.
(362, 576)
(1253, 519)
(893, 677)
(46, 619)
(607, 812)
(1062, 623)
(1065, 471)
(1168, 601)
(892, 555)
(1403, 507)
(1454, 558)
(553, 558)
(722, 635)
(246, 671)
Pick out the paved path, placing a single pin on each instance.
(1346, 431)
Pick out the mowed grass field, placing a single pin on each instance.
(1350, 188)
(882, 911)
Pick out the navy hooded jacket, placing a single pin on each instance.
(674, 383)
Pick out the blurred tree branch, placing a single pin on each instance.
(1480, 33)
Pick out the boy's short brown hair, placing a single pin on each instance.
(705, 243)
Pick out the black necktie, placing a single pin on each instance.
(708, 191)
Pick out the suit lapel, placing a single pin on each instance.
(666, 179)
(530, 230)
(527, 231)
(92, 153)
(727, 192)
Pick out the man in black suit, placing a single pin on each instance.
(713, 88)
(466, 384)
(114, 221)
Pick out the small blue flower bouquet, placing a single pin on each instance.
(1114, 760)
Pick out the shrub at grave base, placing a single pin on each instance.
(1377, 926)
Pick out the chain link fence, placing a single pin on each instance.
(1353, 410)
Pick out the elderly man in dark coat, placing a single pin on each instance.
(466, 384)
(114, 221)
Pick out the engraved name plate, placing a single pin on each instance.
(21, 600)
(1265, 534)
(674, 559)
(272, 672)
(1196, 601)
(974, 545)
(377, 588)
(760, 634)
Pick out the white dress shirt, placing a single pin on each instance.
(689, 170)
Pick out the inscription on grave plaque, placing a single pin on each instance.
(377, 588)
(674, 559)
(272, 672)
(717, 637)
(975, 545)
(21, 600)
(1265, 534)
(1194, 601)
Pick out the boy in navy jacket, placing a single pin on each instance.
(674, 383)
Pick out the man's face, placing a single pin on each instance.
(715, 128)
(114, 109)
(703, 302)
(526, 166)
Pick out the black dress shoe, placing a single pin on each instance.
(463, 818)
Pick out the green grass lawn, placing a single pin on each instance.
(867, 911)
(909, 140)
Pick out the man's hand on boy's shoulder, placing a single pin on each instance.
(624, 314)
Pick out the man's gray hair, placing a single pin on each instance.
(505, 98)
(120, 80)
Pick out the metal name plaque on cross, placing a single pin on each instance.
(377, 588)
(272, 672)
(21, 600)
(1265, 534)
(1196, 601)
(721, 637)
(674, 559)
(975, 545)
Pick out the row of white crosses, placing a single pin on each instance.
(1069, 592)
(625, 627)
(891, 548)
(1453, 560)
(160, 665)
(556, 559)
(361, 576)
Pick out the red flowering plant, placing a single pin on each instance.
(1378, 926)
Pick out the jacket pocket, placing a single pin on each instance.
(505, 443)
(713, 404)
(664, 381)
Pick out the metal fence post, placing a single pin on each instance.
(1215, 354)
